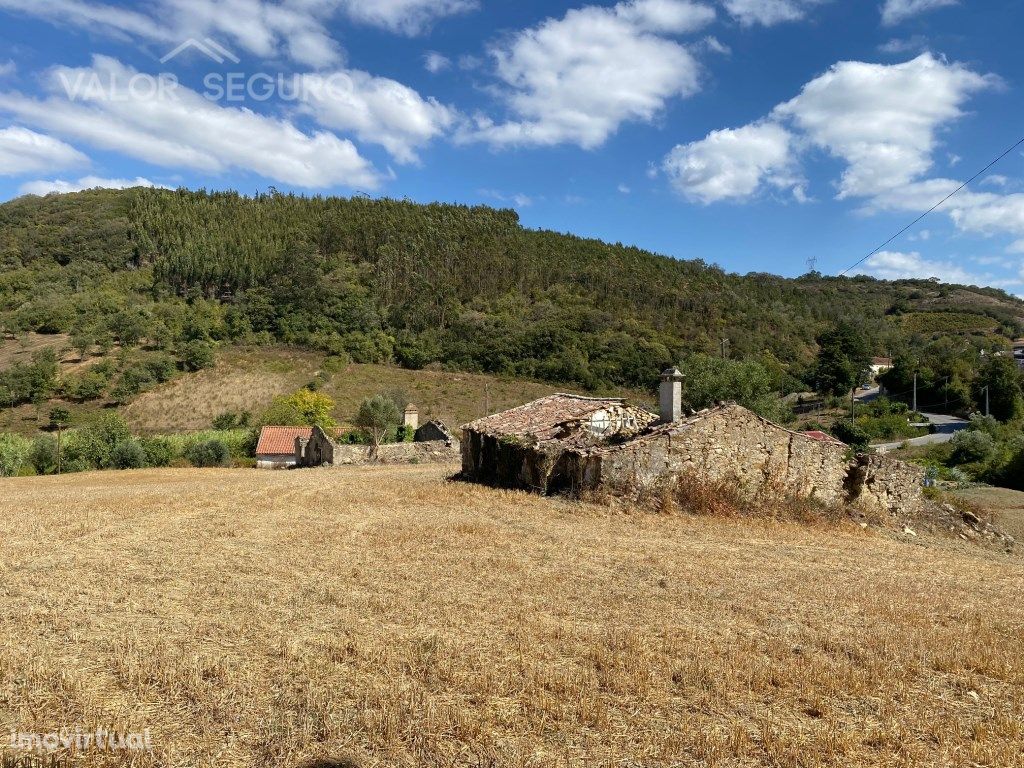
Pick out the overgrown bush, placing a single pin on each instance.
(14, 453)
(43, 454)
(128, 454)
(160, 451)
(970, 447)
(852, 434)
(196, 355)
(92, 445)
(210, 453)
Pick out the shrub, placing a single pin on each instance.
(14, 453)
(160, 451)
(851, 434)
(196, 355)
(43, 454)
(970, 447)
(89, 386)
(209, 453)
(128, 455)
(161, 367)
(93, 445)
(224, 421)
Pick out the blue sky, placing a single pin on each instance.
(755, 134)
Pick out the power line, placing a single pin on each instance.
(934, 207)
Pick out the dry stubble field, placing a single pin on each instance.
(383, 615)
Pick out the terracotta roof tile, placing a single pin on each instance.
(278, 440)
(821, 437)
(542, 418)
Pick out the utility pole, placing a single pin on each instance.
(915, 394)
(487, 398)
(853, 405)
(986, 400)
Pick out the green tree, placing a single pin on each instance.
(1003, 379)
(93, 445)
(710, 380)
(196, 355)
(843, 356)
(376, 417)
(304, 408)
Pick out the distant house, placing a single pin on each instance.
(276, 447)
(880, 365)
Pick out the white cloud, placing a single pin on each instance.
(298, 29)
(768, 12)
(517, 199)
(995, 180)
(25, 151)
(377, 110)
(895, 11)
(92, 16)
(43, 187)
(915, 44)
(409, 17)
(895, 265)
(435, 62)
(882, 119)
(624, 189)
(184, 129)
(734, 164)
(575, 80)
(8, 68)
(715, 45)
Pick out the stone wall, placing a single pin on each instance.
(434, 452)
(731, 444)
(320, 451)
(879, 484)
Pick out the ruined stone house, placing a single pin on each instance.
(567, 443)
(432, 443)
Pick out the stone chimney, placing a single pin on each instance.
(411, 418)
(671, 395)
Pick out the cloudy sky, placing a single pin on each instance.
(755, 134)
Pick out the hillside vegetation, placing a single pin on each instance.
(469, 289)
(384, 616)
(248, 379)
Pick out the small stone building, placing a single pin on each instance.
(276, 446)
(526, 447)
(321, 450)
(566, 443)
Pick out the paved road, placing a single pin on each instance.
(946, 427)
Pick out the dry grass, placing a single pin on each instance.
(249, 379)
(1006, 507)
(261, 619)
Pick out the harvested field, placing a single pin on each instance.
(380, 614)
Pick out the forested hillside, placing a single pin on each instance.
(466, 288)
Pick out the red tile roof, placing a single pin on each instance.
(542, 418)
(821, 437)
(278, 440)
